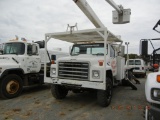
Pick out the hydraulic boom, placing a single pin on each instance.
(120, 16)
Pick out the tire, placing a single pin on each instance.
(104, 96)
(144, 75)
(59, 92)
(10, 86)
(149, 116)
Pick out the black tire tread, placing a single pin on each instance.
(59, 92)
(101, 95)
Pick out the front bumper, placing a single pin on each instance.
(154, 112)
(79, 83)
(138, 73)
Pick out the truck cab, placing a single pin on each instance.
(20, 55)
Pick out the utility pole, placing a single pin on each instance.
(127, 43)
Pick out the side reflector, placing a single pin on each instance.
(100, 62)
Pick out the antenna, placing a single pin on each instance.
(72, 27)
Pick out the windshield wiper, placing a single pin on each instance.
(75, 54)
(101, 54)
(13, 53)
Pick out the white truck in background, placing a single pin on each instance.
(138, 65)
(95, 61)
(152, 92)
(22, 64)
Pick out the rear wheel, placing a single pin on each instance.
(10, 86)
(59, 92)
(104, 96)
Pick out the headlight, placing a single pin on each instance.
(53, 70)
(155, 94)
(95, 74)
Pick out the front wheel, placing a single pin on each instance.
(104, 96)
(59, 92)
(10, 86)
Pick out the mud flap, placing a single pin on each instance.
(127, 82)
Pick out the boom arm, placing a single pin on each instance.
(87, 10)
(119, 9)
(154, 28)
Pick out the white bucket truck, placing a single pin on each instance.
(95, 61)
(21, 64)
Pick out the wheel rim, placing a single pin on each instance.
(12, 87)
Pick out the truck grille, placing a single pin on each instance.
(73, 70)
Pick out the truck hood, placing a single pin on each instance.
(8, 60)
(84, 58)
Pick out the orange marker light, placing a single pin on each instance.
(52, 62)
(100, 62)
(156, 66)
(158, 78)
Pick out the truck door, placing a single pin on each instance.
(33, 64)
(113, 62)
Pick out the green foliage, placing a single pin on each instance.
(132, 56)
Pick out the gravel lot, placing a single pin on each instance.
(37, 103)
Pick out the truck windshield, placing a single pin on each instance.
(131, 62)
(94, 49)
(14, 48)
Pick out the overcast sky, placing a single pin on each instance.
(33, 18)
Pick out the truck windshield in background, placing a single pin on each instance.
(137, 62)
(134, 62)
(14, 48)
(94, 49)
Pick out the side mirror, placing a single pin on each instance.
(53, 57)
(29, 49)
(34, 49)
(70, 48)
(1, 52)
(122, 50)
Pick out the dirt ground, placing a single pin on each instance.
(37, 103)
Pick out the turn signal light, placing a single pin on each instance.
(100, 62)
(52, 62)
(156, 66)
(158, 78)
